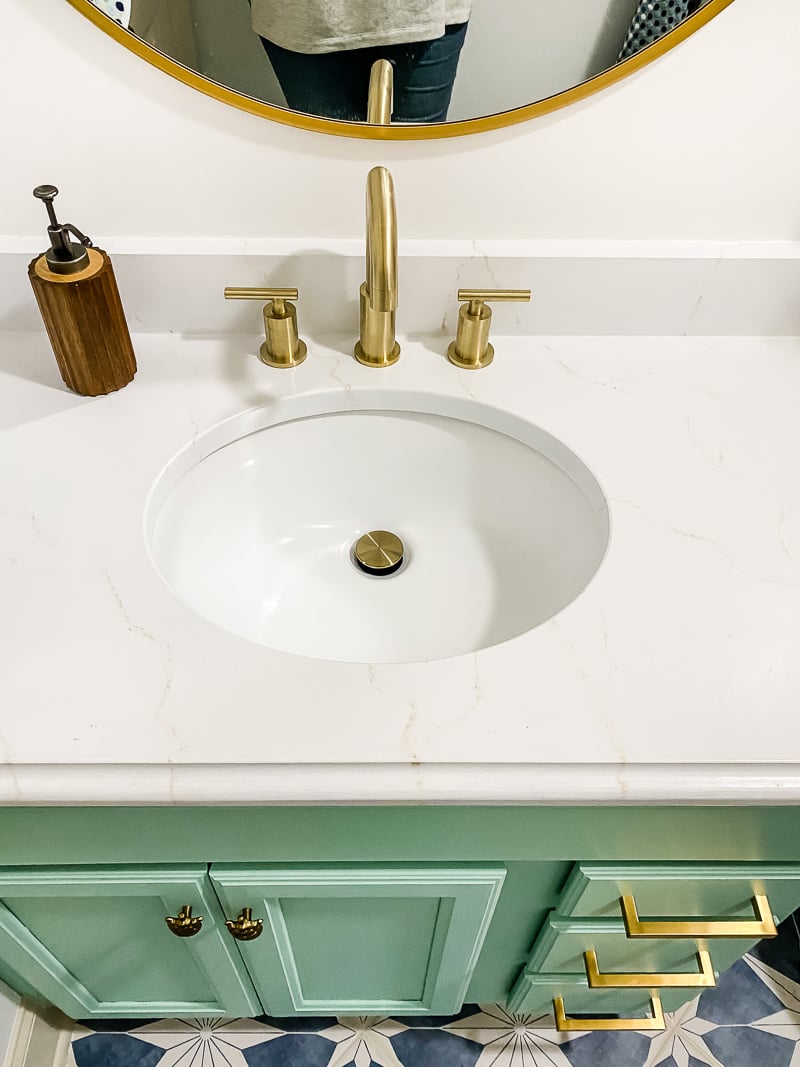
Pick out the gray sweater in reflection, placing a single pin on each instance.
(313, 26)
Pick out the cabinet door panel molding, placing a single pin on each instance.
(416, 931)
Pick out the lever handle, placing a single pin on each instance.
(277, 295)
(282, 347)
(471, 349)
(480, 296)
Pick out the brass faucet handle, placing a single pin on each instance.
(471, 349)
(282, 347)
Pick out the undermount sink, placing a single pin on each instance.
(254, 525)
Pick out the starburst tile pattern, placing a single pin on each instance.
(512, 1040)
(206, 1042)
(751, 1019)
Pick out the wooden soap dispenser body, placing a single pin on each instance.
(77, 294)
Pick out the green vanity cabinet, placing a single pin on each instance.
(354, 940)
(378, 910)
(94, 942)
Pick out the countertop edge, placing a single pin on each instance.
(399, 784)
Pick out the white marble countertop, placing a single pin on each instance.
(674, 677)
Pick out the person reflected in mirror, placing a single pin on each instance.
(322, 52)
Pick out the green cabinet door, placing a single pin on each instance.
(358, 940)
(93, 941)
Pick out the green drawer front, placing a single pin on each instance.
(666, 890)
(535, 992)
(557, 961)
(353, 940)
(562, 941)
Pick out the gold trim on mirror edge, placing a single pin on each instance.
(402, 132)
(762, 926)
(598, 979)
(565, 1023)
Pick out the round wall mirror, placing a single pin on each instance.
(437, 68)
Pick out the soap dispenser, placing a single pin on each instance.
(77, 294)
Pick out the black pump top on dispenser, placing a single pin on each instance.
(63, 256)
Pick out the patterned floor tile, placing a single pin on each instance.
(210, 1042)
(364, 1039)
(740, 996)
(114, 1050)
(613, 1050)
(435, 1048)
(782, 952)
(512, 1040)
(292, 1050)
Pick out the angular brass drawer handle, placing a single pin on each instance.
(565, 1023)
(185, 924)
(762, 926)
(617, 980)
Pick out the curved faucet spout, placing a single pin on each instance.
(377, 346)
(381, 241)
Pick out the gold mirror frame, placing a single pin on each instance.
(404, 132)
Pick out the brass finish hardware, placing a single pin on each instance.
(186, 924)
(617, 980)
(471, 349)
(379, 552)
(282, 347)
(762, 926)
(377, 346)
(380, 99)
(246, 928)
(564, 1023)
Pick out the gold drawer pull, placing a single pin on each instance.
(653, 1022)
(185, 924)
(762, 926)
(616, 980)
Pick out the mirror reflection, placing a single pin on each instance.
(451, 59)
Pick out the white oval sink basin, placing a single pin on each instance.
(253, 525)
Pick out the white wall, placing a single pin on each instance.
(8, 1012)
(701, 145)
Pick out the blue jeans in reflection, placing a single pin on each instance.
(334, 85)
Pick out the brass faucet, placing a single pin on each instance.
(377, 346)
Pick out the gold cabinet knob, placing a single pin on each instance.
(185, 924)
(471, 349)
(245, 928)
(282, 347)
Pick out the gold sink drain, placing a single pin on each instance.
(379, 553)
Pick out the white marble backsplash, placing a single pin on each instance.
(580, 288)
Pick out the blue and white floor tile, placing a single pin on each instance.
(751, 1019)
